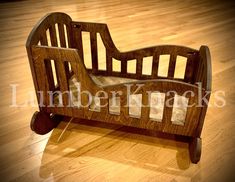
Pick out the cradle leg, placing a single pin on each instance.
(195, 145)
(42, 122)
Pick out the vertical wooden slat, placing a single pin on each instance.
(124, 109)
(167, 111)
(62, 81)
(189, 68)
(191, 113)
(53, 36)
(109, 63)
(123, 66)
(62, 35)
(63, 44)
(42, 79)
(139, 67)
(69, 33)
(77, 40)
(200, 70)
(49, 73)
(94, 54)
(43, 39)
(66, 68)
(145, 109)
(199, 74)
(83, 101)
(54, 43)
(155, 65)
(171, 69)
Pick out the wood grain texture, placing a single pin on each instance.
(112, 153)
(61, 56)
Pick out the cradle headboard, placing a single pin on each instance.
(53, 24)
(56, 27)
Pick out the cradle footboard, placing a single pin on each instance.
(54, 30)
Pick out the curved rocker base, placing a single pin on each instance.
(195, 149)
(42, 122)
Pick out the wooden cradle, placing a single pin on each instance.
(64, 46)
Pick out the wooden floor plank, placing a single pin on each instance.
(94, 151)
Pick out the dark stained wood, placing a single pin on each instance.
(109, 64)
(62, 79)
(69, 34)
(53, 36)
(74, 55)
(195, 145)
(62, 39)
(129, 55)
(77, 39)
(167, 111)
(94, 53)
(42, 123)
(43, 39)
(171, 69)
(189, 70)
(205, 59)
(145, 111)
(49, 74)
(62, 35)
(124, 67)
(139, 62)
(155, 65)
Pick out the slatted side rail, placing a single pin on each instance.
(166, 124)
(144, 120)
(124, 57)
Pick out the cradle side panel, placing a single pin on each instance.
(166, 125)
(124, 117)
(139, 54)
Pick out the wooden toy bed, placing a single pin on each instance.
(55, 52)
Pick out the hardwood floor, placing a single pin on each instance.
(92, 151)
